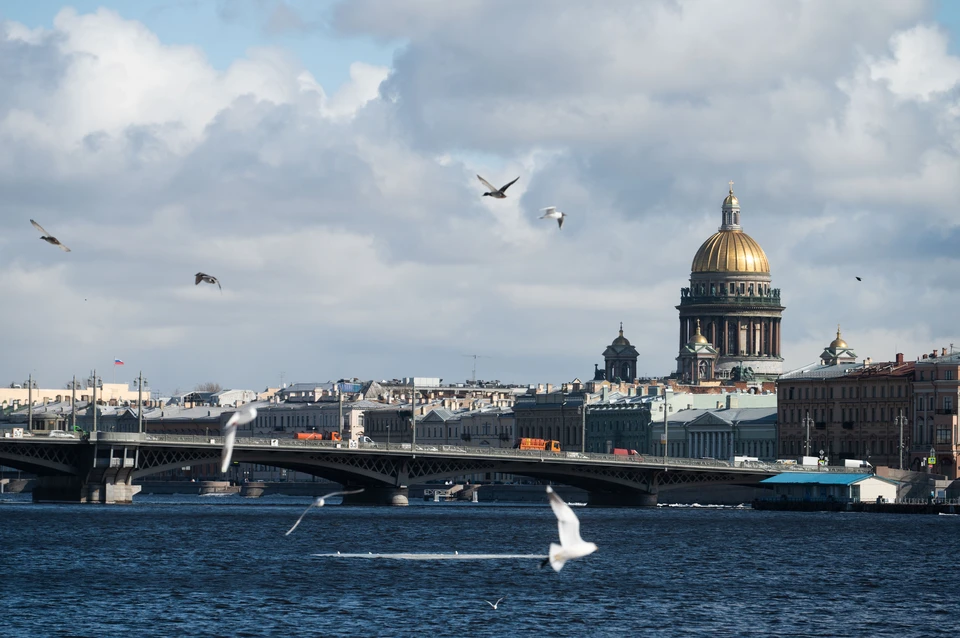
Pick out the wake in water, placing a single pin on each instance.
(408, 556)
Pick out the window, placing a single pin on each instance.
(948, 403)
(843, 392)
(808, 393)
(791, 392)
(943, 434)
(948, 375)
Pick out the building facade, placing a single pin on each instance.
(553, 416)
(937, 394)
(731, 297)
(847, 409)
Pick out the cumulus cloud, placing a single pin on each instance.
(349, 231)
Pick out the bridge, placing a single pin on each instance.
(101, 468)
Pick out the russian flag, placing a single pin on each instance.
(117, 362)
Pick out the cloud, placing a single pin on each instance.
(349, 230)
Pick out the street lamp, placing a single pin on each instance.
(94, 381)
(666, 426)
(807, 421)
(901, 421)
(141, 384)
(583, 424)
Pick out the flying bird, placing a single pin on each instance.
(553, 213)
(494, 605)
(498, 193)
(319, 502)
(47, 237)
(210, 279)
(571, 545)
(241, 417)
(858, 279)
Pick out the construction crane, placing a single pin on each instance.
(473, 381)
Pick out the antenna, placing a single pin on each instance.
(475, 357)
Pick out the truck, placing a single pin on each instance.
(619, 451)
(539, 444)
(855, 463)
(738, 461)
(317, 436)
(811, 461)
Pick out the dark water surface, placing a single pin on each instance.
(191, 566)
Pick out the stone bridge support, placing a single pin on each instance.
(386, 495)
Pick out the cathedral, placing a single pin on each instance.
(729, 316)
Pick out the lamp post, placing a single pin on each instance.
(413, 413)
(931, 460)
(340, 401)
(73, 404)
(30, 403)
(583, 425)
(94, 380)
(807, 421)
(141, 383)
(901, 421)
(666, 426)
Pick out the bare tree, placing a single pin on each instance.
(209, 386)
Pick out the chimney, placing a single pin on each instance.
(943, 352)
(899, 358)
(924, 356)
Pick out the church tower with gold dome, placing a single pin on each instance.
(731, 299)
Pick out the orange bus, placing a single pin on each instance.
(539, 444)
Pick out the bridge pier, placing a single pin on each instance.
(377, 496)
(109, 488)
(627, 498)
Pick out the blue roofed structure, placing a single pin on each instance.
(831, 486)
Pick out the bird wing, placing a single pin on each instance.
(550, 210)
(319, 503)
(218, 284)
(242, 416)
(301, 517)
(63, 248)
(499, 600)
(491, 604)
(39, 227)
(509, 184)
(485, 183)
(229, 436)
(199, 278)
(567, 521)
(560, 221)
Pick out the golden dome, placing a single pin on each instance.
(698, 338)
(730, 251)
(838, 342)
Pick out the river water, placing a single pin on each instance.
(221, 566)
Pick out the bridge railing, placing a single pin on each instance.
(459, 450)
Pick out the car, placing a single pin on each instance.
(61, 434)
(367, 439)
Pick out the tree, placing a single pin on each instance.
(209, 386)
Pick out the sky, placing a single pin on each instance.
(320, 159)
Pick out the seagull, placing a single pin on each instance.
(858, 279)
(497, 193)
(47, 237)
(319, 502)
(240, 417)
(210, 279)
(553, 213)
(571, 545)
(494, 605)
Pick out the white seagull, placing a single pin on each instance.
(494, 605)
(241, 417)
(553, 213)
(571, 545)
(47, 237)
(319, 502)
(210, 279)
(496, 193)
